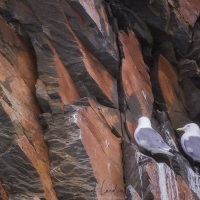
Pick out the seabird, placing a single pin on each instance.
(190, 140)
(149, 139)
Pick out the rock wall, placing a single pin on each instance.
(75, 76)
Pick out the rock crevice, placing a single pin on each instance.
(75, 76)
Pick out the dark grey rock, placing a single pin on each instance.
(192, 97)
(166, 48)
(19, 177)
(71, 171)
(156, 13)
(188, 65)
(101, 41)
(179, 31)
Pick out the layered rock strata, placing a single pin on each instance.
(75, 76)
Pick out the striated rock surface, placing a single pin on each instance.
(169, 95)
(138, 97)
(70, 169)
(75, 76)
(101, 146)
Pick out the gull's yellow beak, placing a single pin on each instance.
(180, 129)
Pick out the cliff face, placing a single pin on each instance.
(75, 76)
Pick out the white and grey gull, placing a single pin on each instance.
(190, 140)
(149, 139)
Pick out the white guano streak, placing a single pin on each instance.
(144, 95)
(138, 154)
(194, 181)
(167, 183)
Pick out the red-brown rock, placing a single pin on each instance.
(67, 88)
(3, 194)
(172, 93)
(189, 10)
(135, 81)
(19, 102)
(72, 87)
(104, 151)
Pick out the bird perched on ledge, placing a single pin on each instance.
(149, 139)
(190, 141)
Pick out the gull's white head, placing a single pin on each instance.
(144, 122)
(192, 127)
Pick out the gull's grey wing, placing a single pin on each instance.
(193, 147)
(152, 138)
